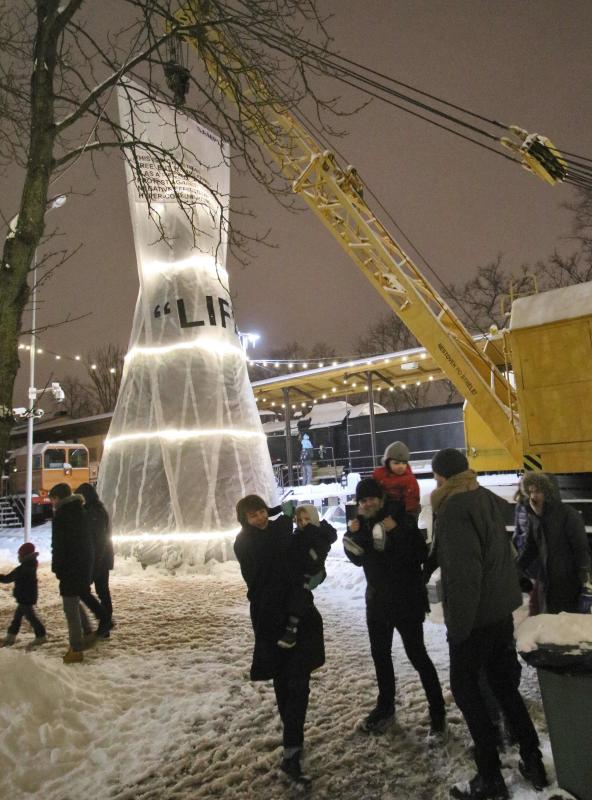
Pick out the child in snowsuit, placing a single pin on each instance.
(309, 547)
(396, 478)
(24, 578)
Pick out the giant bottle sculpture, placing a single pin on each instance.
(185, 442)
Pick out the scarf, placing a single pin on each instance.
(461, 482)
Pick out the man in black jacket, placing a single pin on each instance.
(480, 591)
(71, 562)
(384, 540)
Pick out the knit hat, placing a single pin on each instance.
(368, 487)
(449, 462)
(398, 451)
(311, 511)
(26, 550)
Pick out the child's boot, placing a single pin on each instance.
(37, 642)
(8, 640)
(288, 640)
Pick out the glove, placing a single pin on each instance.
(288, 508)
(352, 547)
(379, 537)
(526, 584)
(585, 601)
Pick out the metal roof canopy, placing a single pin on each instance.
(389, 372)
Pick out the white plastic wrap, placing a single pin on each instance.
(185, 442)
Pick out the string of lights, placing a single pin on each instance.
(349, 385)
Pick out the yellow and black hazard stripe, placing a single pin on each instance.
(532, 462)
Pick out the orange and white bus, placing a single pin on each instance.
(53, 462)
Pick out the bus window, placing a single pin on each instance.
(78, 458)
(36, 462)
(54, 459)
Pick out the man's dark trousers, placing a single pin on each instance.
(381, 627)
(492, 649)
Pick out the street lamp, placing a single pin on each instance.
(55, 202)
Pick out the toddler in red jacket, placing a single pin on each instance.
(396, 478)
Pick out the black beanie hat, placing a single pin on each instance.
(449, 462)
(368, 487)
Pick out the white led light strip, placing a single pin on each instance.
(174, 435)
(214, 346)
(193, 262)
(174, 536)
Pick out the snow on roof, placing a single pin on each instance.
(363, 410)
(569, 302)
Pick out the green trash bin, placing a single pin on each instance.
(565, 678)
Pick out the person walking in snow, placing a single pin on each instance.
(309, 548)
(100, 530)
(262, 549)
(25, 593)
(385, 541)
(397, 479)
(72, 563)
(480, 592)
(556, 551)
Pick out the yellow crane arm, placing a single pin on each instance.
(336, 197)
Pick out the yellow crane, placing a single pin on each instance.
(495, 405)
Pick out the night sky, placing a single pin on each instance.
(525, 63)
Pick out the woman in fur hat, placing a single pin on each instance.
(557, 538)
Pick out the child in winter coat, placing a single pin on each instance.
(396, 478)
(309, 547)
(24, 578)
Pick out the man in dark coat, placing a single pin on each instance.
(71, 562)
(480, 591)
(99, 527)
(262, 550)
(556, 541)
(384, 540)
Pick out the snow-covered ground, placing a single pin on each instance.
(164, 708)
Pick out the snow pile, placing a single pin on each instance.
(165, 709)
(573, 631)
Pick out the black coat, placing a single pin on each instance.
(265, 565)
(479, 575)
(100, 532)
(557, 543)
(316, 538)
(25, 582)
(394, 575)
(71, 547)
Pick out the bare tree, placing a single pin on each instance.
(388, 334)
(290, 351)
(79, 401)
(105, 368)
(59, 69)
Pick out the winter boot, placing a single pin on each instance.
(293, 771)
(289, 639)
(103, 631)
(37, 642)
(8, 640)
(479, 788)
(533, 769)
(378, 719)
(438, 727)
(73, 657)
(89, 640)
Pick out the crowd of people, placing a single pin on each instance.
(482, 574)
(482, 570)
(82, 555)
